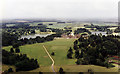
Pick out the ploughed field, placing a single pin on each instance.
(60, 48)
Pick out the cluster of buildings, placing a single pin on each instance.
(74, 36)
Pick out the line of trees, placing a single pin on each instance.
(81, 30)
(17, 50)
(98, 28)
(8, 39)
(117, 30)
(12, 39)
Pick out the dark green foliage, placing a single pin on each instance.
(22, 62)
(11, 50)
(77, 54)
(95, 50)
(69, 55)
(8, 39)
(40, 73)
(40, 24)
(81, 30)
(42, 28)
(61, 70)
(50, 24)
(10, 70)
(117, 30)
(12, 39)
(26, 65)
(17, 50)
(81, 39)
(52, 53)
(99, 28)
(81, 54)
(75, 47)
(70, 50)
(78, 62)
(109, 31)
(91, 72)
(75, 42)
(81, 73)
(16, 45)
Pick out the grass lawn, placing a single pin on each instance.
(6, 67)
(84, 68)
(35, 51)
(60, 47)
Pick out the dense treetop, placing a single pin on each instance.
(94, 50)
(81, 30)
(22, 62)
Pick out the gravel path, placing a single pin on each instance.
(52, 66)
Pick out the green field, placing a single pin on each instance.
(60, 47)
(58, 25)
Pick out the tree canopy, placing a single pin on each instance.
(94, 50)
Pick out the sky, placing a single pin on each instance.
(78, 9)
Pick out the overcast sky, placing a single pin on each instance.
(59, 9)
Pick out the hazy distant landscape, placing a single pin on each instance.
(60, 36)
(59, 39)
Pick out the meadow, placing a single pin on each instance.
(60, 48)
(36, 51)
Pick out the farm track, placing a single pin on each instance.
(52, 66)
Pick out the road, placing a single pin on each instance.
(53, 62)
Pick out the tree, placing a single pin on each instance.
(81, 39)
(26, 65)
(70, 50)
(81, 54)
(69, 55)
(76, 42)
(95, 50)
(10, 70)
(81, 30)
(61, 70)
(106, 63)
(17, 50)
(11, 50)
(8, 39)
(21, 62)
(80, 72)
(79, 61)
(53, 53)
(40, 73)
(89, 70)
(77, 54)
(16, 45)
(75, 47)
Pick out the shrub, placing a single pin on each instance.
(10, 70)
(11, 50)
(52, 53)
